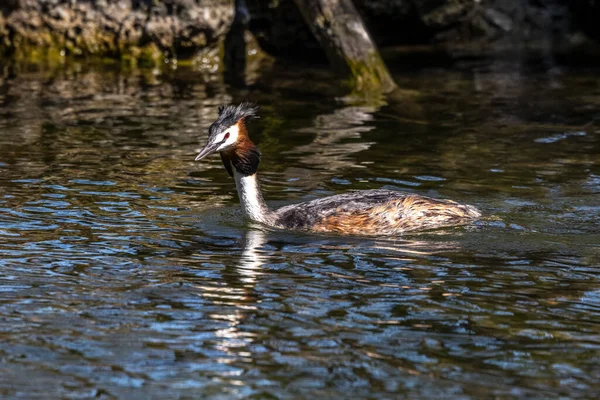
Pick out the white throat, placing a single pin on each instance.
(253, 204)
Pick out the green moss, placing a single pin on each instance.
(369, 76)
(149, 56)
(52, 49)
(32, 54)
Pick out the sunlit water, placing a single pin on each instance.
(127, 271)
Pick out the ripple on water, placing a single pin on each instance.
(126, 271)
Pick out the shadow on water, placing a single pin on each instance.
(126, 269)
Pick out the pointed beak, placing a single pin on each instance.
(208, 149)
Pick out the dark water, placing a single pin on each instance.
(126, 270)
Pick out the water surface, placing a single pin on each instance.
(126, 270)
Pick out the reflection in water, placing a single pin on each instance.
(122, 271)
(252, 258)
(337, 137)
(329, 150)
(235, 340)
(236, 301)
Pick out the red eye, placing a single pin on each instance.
(227, 136)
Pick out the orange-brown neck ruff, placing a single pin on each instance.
(244, 157)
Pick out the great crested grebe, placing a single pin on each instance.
(364, 212)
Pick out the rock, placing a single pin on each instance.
(151, 30)
(456, 25)
(281, 31)
(129, 28)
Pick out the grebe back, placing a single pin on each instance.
(364, 212)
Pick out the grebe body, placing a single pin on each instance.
(364, 212)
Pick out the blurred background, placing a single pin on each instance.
(205, 33)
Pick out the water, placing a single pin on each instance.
(126, 270)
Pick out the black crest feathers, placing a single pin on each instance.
(241, 111)
(229, 115)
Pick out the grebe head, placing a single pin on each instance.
(229, 130)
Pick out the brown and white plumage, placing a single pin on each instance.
(374, 212)
(365, 212)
